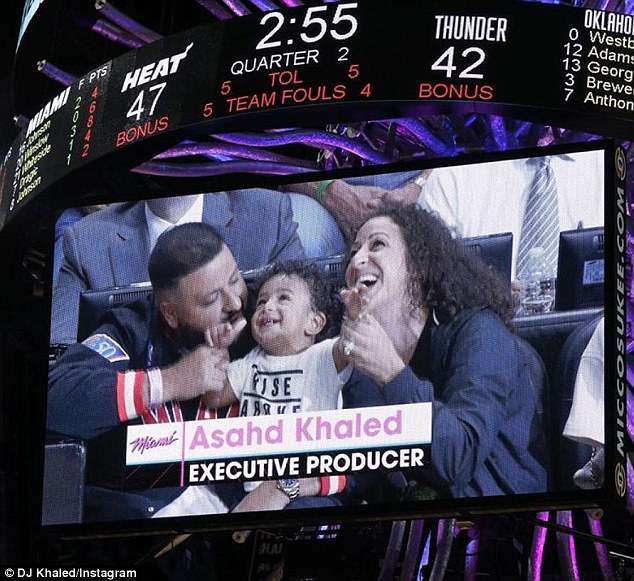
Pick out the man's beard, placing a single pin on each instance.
(187, 338)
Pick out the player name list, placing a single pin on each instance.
(582, 64)
(598, 61)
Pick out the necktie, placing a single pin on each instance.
(540, 227)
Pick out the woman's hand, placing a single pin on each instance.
(372, 350)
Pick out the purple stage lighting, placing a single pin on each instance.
(443, 550)
(215, 8)
(471, 554)
(237, 7)
(115, 34)
(264, 5)
(201, 170)
(547, 138)
(412, 551)
(537, 549)
(125, 22)
(312, 138)
(55, 73)
(498, 131)
(566, 546)
(427, 137)
(228, 149)
(601, 550)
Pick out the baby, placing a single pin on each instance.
(289, 371)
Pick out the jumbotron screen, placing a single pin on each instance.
(269, 349)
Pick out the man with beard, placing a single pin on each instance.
(111, 248)
(151, 362)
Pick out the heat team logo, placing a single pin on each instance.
(155, 70)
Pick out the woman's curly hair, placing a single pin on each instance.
(444, 275)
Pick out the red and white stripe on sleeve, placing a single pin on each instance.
(332, 485)
(130, 395)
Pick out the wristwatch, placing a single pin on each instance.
(289, 486)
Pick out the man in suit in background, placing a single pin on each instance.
(494, 197)
(111, 247)
(351, 201)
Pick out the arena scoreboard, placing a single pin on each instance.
(570, 64)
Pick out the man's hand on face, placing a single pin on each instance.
(352, 205)
(204, 369)
(403, 196)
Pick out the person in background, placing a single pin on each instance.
(585, 423)
(317, 229)
(351, 201)
(533, 198)
(111, 248)
(66, 220)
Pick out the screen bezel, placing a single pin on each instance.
(440, 507)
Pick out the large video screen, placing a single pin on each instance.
(359, 345)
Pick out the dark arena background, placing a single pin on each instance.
(125, 101)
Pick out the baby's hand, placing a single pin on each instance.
(221, 336)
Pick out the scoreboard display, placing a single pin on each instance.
(572, 64)
(200, 102)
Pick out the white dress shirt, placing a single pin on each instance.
(157, 225)
(490, 198)
(585, 423)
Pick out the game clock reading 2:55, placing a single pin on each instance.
(287, 59)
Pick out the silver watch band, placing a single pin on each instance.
(290, 487)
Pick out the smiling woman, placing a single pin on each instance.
(426, 321)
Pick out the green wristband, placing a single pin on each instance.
(320, 189)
